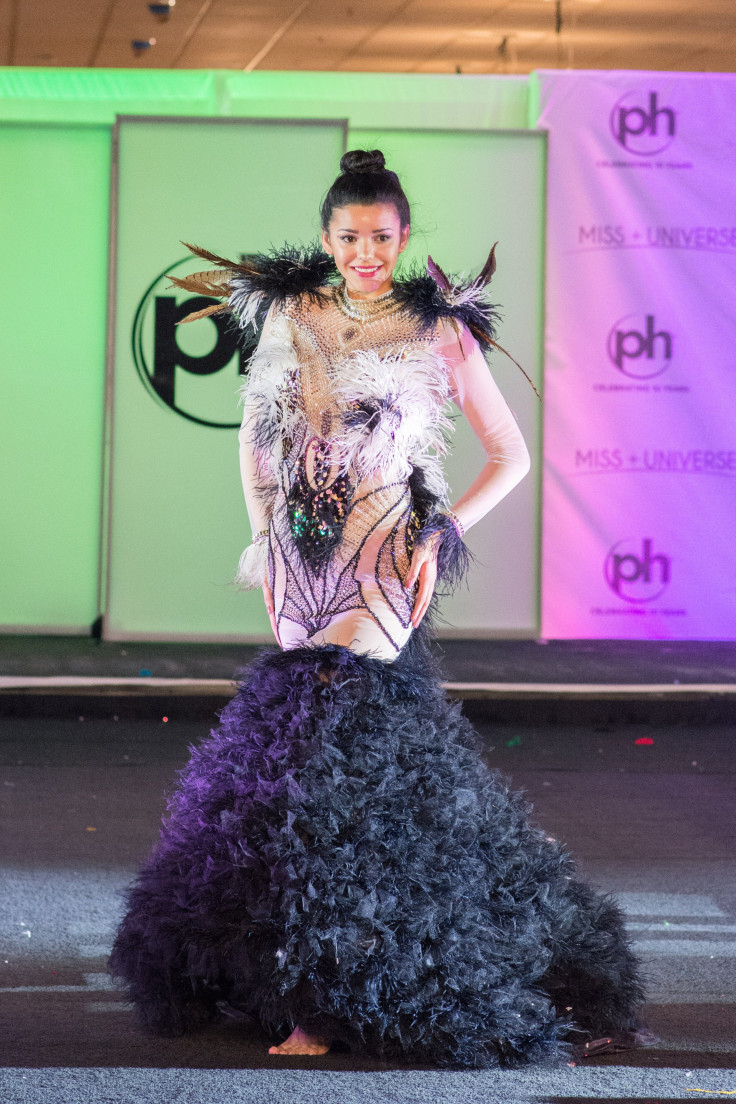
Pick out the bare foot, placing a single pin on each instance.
(301, 1043)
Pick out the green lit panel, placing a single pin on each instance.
(54, 181)
(178, 522)
(410, 100)
(53, 219)
(84, 96)
(469, 189)
(416, 101)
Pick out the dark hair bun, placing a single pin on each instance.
(362, 161)
(364, 180)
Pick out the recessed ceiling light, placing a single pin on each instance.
(162, 11)
(140, 45)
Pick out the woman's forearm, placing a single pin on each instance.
(252, 479)
(507, 458)
(493, 483)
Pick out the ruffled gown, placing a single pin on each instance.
(337, 854)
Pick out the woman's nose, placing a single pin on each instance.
(365, 250)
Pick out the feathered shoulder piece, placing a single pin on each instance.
(434, 297)
(252, 284)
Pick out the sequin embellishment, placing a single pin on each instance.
(318, 502)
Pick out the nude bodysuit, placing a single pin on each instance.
(345, 399)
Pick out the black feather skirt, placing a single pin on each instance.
(337, 855)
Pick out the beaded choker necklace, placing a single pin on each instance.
(365, 310)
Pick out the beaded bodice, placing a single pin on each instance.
(327, 340)
(346, 401)
(342, 433)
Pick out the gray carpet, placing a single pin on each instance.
(654, 822)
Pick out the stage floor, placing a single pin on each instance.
(579, 681)
(629, 662)
(653, 822)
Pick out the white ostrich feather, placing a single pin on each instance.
(402, 398)
(245, 305)
(252, 566)
(275, 358)
(460, 294)
(268, 398)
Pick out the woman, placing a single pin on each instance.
(337, 860)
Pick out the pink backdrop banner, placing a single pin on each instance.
(639, 503)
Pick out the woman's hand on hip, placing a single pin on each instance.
(423, 568)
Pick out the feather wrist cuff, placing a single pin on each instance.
(252, 566)
(453, 555)
(459, 527)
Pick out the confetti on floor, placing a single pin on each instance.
(717, 1092)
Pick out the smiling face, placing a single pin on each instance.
(365, 242)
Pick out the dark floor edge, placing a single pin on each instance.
(500, 709)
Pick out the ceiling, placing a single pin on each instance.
(397, 36)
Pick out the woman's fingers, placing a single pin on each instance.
(414, 565)
(270, 609)
(421, 605)
(427, 580)
(274, 627)
(422, 569)
(421, 555)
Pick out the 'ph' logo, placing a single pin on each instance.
(638, 576)
(639, 355)
(643, 131)
(179, 365)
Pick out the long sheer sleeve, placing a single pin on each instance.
(476, 393)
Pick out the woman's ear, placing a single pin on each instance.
(326, 243)
(404, 239)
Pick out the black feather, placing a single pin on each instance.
(287, 272)
(338, 854)
(293, 271)
(423, 297)
(438, 275)
(486, 273)
(454, 558)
